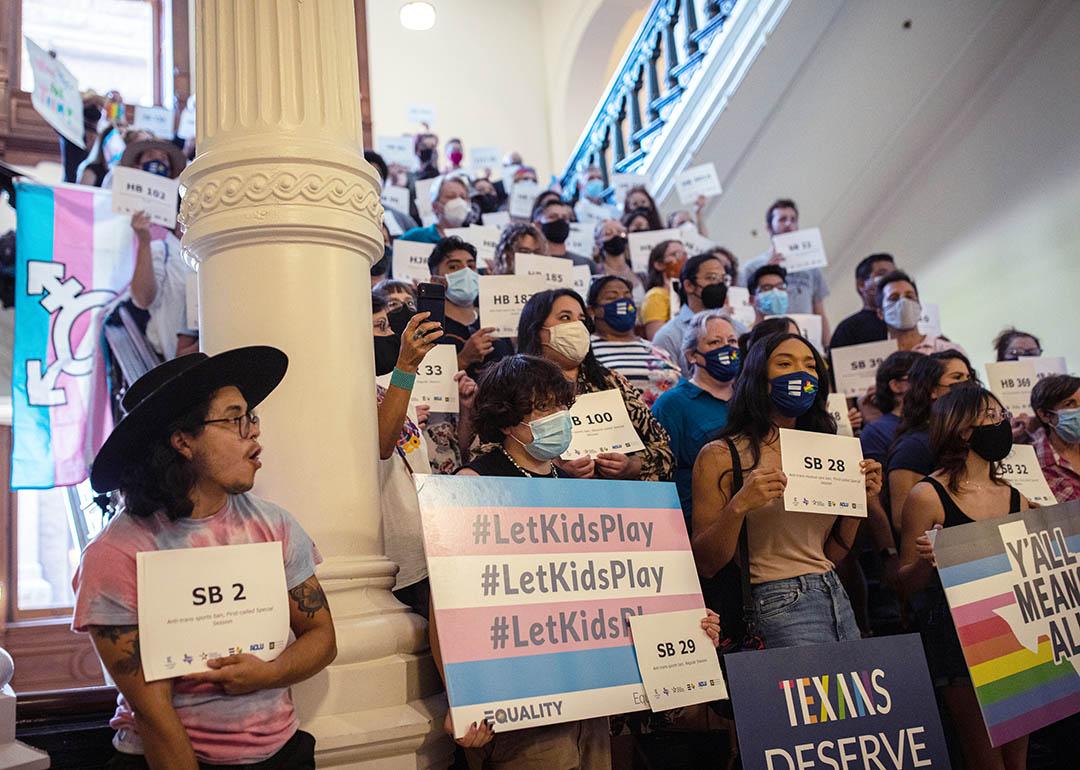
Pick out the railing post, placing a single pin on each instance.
(653, 82)
(634, 95)
(601, 157)
(616, 130)
(671, 51)
(690, 21)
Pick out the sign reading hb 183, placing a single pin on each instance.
(853, 705)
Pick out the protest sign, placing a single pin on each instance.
(677, 660)
(484, 159)
(554, 272)
(1011, 584)
(532, 582)
(580, 240)
(1021, 469)
(838, 409)
(136, 190)
(855, 366)
(742, 310)
(423, 114)
(484, 238)
(499, 219)
(1013, 381)
(697, 180)
(802, 249)
(502, 298)
(642, 242)
(410, 261)
(823, 473)
(810, 327)
(56, 94)
(522, 196)
(202, 603)
(930, 320)
(621, 184)
(855, 705)
(397, 149)
(395, 198)
(157, 120)
(601, 424)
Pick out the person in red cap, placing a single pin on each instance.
(184, 460)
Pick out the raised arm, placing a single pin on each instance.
(165, 741)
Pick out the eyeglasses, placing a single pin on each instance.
(1022, 352)
(397, 304)
(996, 415)
(243, 422)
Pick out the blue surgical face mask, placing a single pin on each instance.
(551, 436)
(620, 314)
(462, 287)
(772, 302)
(161, 168)
(594, 188)
(793, 394)
(723, 364)
(1068, 425)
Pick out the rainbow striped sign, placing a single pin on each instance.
(532, 582)
(74, 257)
(1013, 586)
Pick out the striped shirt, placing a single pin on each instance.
(648, 369)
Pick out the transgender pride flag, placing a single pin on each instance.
(73, 257)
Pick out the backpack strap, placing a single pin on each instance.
(744, 540)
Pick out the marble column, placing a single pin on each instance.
(282, 217)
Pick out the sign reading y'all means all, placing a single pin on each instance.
(852, 705)
(136, 190)
(533, 582)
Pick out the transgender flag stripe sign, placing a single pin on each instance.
(73, 258)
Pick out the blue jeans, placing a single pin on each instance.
(809, 609)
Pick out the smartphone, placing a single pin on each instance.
(431, 297)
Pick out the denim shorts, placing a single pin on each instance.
(809, 609)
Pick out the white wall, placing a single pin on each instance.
(988, 222)
(481, 67)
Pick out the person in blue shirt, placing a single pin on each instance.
(890, 384)
(451, 205)
(694, 411)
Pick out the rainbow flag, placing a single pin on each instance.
(533, 581)
(74, 256)
(1013, 587)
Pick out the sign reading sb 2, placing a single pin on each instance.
(212, 594)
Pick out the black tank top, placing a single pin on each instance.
(497, 463)
(954, 517)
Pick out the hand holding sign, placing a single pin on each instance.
(826, 473)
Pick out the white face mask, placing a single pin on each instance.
(455, 211)
(903, 314)
(570, 340)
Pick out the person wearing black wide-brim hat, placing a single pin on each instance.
(183, 460)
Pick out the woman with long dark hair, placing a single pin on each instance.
(910, 458)
(666, 261)
(555, 325)
(798, 598)
(969, 434)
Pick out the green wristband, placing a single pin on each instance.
(402, 380)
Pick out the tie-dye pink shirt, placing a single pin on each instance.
(224, 729)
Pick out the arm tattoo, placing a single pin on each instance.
(128, 663)
(309, 597)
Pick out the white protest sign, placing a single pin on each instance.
(185, 129)
(823, 473)
(601, 424)
(695, 242)
(422, 196)
(580, 240)
(484, 239)
(591, 213)
(678, 663)
(554, 272)
(802, 249)
(157, 120)
(581, 279)
(202, 603)
(191, 299)
(810, 327)
(435, 384)
(136, 190)
(392, 225)
(623, 182)
(484, 159)
(855, 366)
(642, 242)
(522, 195)
(697, 180)
(738, 298)
(930, 320)
(56, 94)
(410, 260)
(1021, 469)
(421, 113)
(1013, 381)
(499, 219)
(838, 408)
(396, 197)
(396, 149)
(502, 298)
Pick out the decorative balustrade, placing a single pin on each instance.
(634, 107)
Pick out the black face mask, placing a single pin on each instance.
(615, 245)
(557, 231)
(379, 268)
(714, 296)
(487, 202)
(399, 319)
(386, 353)
(426, 155)
(992, 442)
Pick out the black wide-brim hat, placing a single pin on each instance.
(168, 391)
